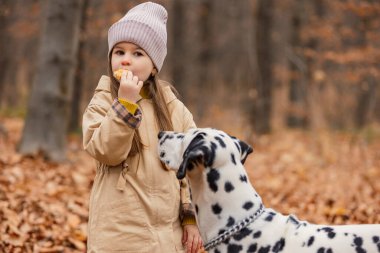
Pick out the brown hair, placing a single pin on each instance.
(156, 93)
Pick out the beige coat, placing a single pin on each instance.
(135, 202)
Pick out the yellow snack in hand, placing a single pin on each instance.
(117, 73)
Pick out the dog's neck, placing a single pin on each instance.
(224, 200)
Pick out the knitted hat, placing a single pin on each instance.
(145, 26)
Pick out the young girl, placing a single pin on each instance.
(136, 204)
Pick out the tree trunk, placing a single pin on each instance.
(6, 8)
(281, 50)
(79, 73)
(49, 103)
(262, 108)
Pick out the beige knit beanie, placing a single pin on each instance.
(145, 26)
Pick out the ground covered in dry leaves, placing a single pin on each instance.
(329, 178)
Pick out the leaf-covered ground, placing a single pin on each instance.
(321, 177)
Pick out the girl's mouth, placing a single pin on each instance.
(117, 74)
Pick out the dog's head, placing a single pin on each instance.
(202, 146)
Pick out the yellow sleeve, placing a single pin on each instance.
(131, 107)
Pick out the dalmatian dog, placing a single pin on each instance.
(231, 215)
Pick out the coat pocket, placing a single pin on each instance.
(122, 227)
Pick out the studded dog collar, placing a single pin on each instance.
(235, 229)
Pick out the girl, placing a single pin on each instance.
(136, 204)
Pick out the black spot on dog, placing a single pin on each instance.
(221, 231)
(264, 249)
(209, 154)
(323, 250)
(230, 222)
(293, 220)
(270, 216)
(376, 240)
(279, 245)
(243, 178)
(234, 248)
(310, 241)
(237, 146)
(180, 136)
(331, 235)
(248, 205)
(330, 232)
(167, 137)
(162, 154)
(242, 234)
(212, 178)
(228, 187)
(217, 251)
(221, 142)
(252, 248)
(216, 209)
(233, 159)
(196, 209)
(257, 234)
(358, 242)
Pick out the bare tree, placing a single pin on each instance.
(262, 106)
(49, 103)
(79, 74)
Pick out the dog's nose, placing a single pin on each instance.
(160, 134)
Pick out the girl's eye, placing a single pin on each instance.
(119, 52)
(137, 53)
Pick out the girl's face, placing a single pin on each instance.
(126, 55)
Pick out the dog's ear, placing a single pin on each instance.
(245, 150)
(194, 153)
(188, 163)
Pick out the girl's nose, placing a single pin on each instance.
(125, 62)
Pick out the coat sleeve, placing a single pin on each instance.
(108, 130)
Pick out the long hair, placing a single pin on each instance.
(156, 93)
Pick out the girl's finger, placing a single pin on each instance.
(135, 79)
(123, 75)
(129, 75)
(184, 237)
(198, 245)
(190, 247)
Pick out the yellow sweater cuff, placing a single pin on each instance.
(189, 220)
(131, 107)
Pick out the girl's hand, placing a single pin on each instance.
(130, 87)
(192, 239)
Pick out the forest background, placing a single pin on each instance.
(258, 69)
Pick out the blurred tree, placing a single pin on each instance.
(306, 63)
(49, 103)
(6, 9)
(263, 102)
(75, 114)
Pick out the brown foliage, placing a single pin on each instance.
(320, 177)
(43, 206)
